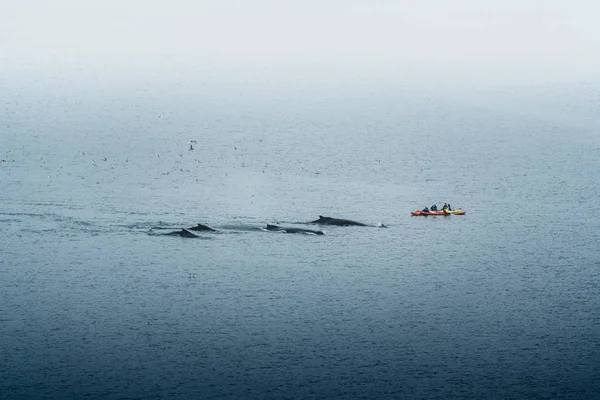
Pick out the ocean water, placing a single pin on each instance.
(500, 303)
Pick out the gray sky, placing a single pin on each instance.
(461, 40)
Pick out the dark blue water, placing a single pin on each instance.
(499, 303)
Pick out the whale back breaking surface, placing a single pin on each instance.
(191, 232)
(201, 227)
(271, 227)
(182, 233)
(337, 221)
(278, 228)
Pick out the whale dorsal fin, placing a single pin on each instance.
(186, 233)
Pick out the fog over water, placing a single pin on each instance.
(123, 121)
(391, 41)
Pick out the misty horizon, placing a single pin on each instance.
(271, 43)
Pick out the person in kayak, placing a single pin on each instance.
(449, 208)
(445, 208)
(434, 208)
(425, 209)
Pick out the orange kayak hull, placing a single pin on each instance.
(455, 212)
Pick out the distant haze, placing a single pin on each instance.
(489, 42)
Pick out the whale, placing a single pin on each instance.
(182, 233)
(336, 221)
(293, 230)
(200, 227)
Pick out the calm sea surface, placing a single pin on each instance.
(500, 303)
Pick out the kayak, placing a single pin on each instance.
(452, 212)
